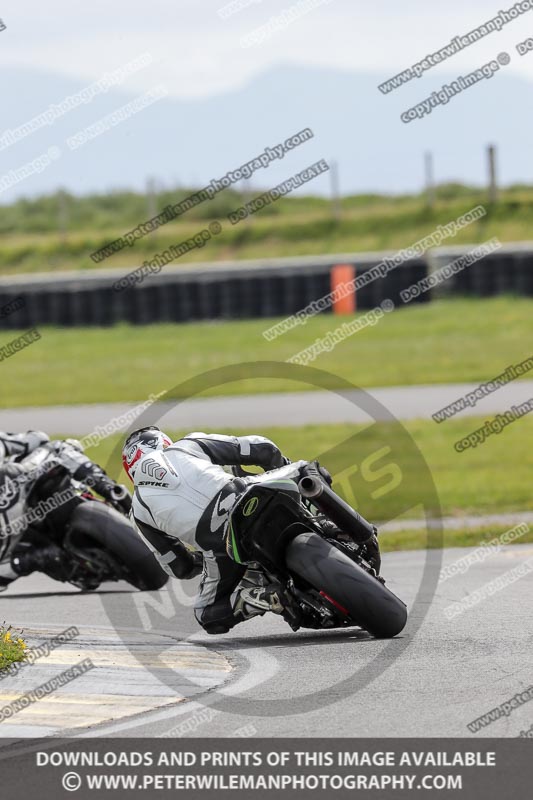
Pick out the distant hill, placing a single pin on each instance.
(190, 142)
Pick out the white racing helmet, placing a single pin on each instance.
(139, 443)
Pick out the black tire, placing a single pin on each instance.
(112, 532)
(369, 604)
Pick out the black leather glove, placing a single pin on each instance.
(314, 468)
(279, 461)
(325, 474)
(120, 499)
(187, 564)
(198, 567)
(115, 494)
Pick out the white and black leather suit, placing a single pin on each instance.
(25, 459)
(182, 500)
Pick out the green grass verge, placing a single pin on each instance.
(291, 227)
(12, 647)
(492, 479)
(445, 341)
(463, 537)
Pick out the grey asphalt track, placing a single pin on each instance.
(430, 681)
(261, 410)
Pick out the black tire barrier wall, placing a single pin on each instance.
(269, 289)
(507, 271)
(192, 295)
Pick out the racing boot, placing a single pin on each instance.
(259, 599)
(5, 582)
(256, 595)
(7, 575)
(51, 560)
(253, 596)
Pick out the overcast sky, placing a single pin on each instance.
(199, 52)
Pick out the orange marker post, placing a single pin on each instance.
(345, 302)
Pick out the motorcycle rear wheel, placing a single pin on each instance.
(363, 598)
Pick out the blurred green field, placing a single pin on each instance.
(34, 239)
(446, 341)
(491, 479)
(467, 537)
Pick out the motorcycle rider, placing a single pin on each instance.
(30, 464)
(182, 501)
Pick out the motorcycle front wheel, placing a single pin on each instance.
(94, 523)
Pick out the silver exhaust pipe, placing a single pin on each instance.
(311, 487)
(344, 516)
